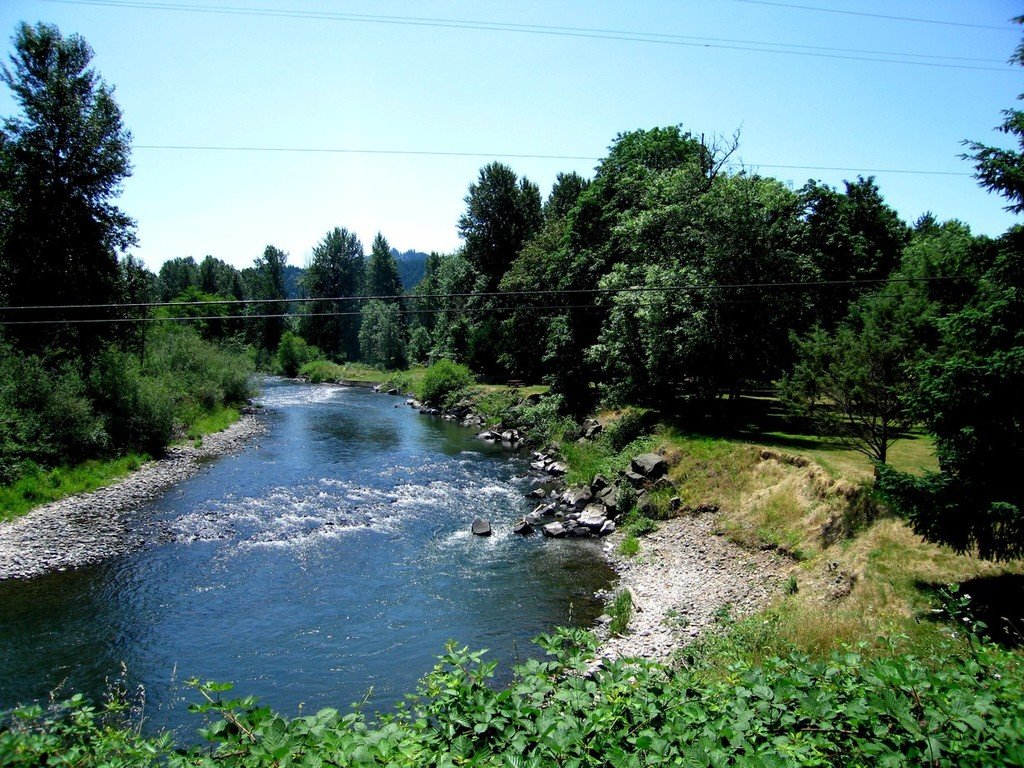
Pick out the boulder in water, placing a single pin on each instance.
(481, 528)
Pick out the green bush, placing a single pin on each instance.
(443, 382)
(897, 709)
(631, 425)
(292, 353)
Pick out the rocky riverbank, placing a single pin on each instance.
(683, 577)
(90, 527)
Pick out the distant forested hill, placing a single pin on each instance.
(411, 266)
(292, 275)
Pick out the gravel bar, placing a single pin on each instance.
(90, 527)
(683, 576)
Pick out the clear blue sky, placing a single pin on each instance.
(202, 78)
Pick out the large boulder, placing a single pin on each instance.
(577, 498)
(649, 465)
(481, 528)
(591, 428)
(554, 530)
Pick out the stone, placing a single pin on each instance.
(537, 493)
(554, 530)
(577, 498)
(607, 528)
(599, 484)
(592, 428)
(481, 528)
(488, 434)
(635, 478)
(523, 528)
(558, 468)
(592, 520)
(649, 465)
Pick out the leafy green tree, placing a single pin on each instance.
(969, 397)
(382, 277)
(502, 213)
(176, 276)
(854, 382)
(335, 271)
(564, 193)
(382, 335)
(64, 159)
(268, 286)
(852, 236)
(292, 353)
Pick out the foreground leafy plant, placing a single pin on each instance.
(849, 709)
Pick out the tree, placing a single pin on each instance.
(382, 335)
(969, 398)
(176, 276)
(334, 272)
(1002, 170)
(852, 236)
(969, 391)
(382, 278)
(502, 213)
(269, 289)
(854, 381)
(64, 159)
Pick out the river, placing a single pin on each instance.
(330, 558)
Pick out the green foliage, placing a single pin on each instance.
(630, 545)
(64, 159)
(46, 415)
(848, 709)
(267, 285)
(36, 485)
(631, 424)
(321, 371)
(292, 354)
(621, 611)
(335, 270)
(967, 395)
(382, 335)
(443, 382)
(382, 277)
(854, 382)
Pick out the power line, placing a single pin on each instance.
(872, 15)
(682, 288)
(537, 29)
(511, 155)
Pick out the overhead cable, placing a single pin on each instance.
(537, 29)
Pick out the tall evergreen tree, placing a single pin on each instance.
(382, 277)
(269, 287)
(64, 159)
(335, 271)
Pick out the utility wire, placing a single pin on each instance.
(511, 155)
(872, 15)
(683, 288)
(536, 29)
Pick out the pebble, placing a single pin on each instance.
(90, 527)
(681, 579)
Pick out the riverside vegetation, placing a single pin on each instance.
(896, 328)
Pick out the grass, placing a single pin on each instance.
(858, 574)
(209, 422)
(621, 611)
(630, 545)
(42, 486)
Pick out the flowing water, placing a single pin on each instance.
(329, 558)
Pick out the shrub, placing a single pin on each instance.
(443, 382)
(292, 353)
(632, 424)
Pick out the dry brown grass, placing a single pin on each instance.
(860, 576)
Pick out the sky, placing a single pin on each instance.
(379, 82)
